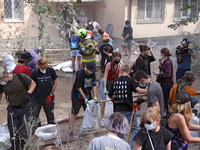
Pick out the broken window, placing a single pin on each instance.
(150, 10)
(185, 13)
(13, 10)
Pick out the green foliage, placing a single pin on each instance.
(192, 18)
(41, 8)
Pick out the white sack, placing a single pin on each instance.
(8, 60)
(4, 136)
(90, 120)
(46, 132)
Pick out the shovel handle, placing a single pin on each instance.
(131, 123)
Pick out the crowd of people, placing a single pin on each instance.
(36, 83)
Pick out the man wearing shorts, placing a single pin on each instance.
(127, 38)
(81, 92)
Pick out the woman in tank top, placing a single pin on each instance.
(179, 122)
(112, 71)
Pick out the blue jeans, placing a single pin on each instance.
(134, 129)
(180, 73)
(101, 88)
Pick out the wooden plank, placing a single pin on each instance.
(61, 120)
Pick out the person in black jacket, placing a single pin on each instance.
(145, 59)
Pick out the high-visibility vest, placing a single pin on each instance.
(88, 59)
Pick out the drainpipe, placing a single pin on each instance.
(129, 10)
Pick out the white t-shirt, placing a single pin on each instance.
(94, 23)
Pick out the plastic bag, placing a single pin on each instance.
(108, 110)
(46, 132)
(8, 60)
(4, 137)
(194, 120)
(90, 120)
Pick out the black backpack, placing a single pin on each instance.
(90, 27)
(132, 71)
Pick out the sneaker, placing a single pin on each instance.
(74, 71)
(125, 55)
(102, 122)
(71, 134)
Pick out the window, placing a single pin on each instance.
(186, 13)
(150, 10)
(13, 10)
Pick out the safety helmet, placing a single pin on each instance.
(82, 32)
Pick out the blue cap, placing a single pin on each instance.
(185, 41)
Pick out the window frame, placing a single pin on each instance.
(181, 12)
(151, 20)
(14, 19)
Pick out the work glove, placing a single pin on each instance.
(122, 34)
(86, 101)
(81, 52)
(96, 100)
(96, 52)
(105, 91)
(27, 97)
(48, 99)
(139, 101)
(123, 40)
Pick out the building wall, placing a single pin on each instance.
(27, 28)
(88, 8)
(147, 30)
(111, 11)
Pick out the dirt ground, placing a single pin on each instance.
(63, 108)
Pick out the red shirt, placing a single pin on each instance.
(22, 69)
(109, 77)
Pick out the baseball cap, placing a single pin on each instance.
(183, 97)
(189, 74)
(91, 66)
(185, 41)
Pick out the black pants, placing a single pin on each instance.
(166, 91)
(103, 59)
(48, 109)
(15, 118)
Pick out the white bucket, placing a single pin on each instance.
(46, 132)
